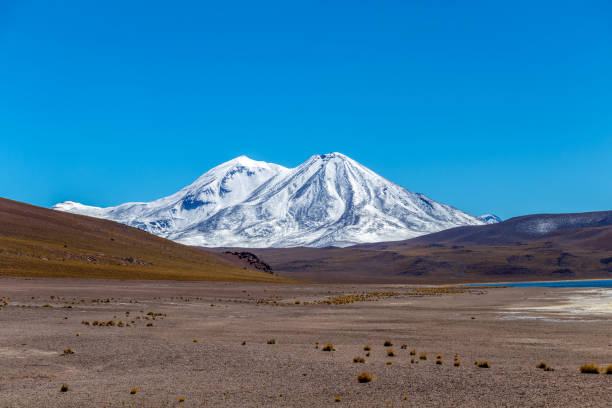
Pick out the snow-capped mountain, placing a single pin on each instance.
(330, 200)
(490, 219)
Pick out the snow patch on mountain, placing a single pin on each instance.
(330, 200)
(490, 219)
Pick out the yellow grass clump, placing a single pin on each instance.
(367, 348)
(64, 388)
(358, 359)
(388, 343)
(590, 368)
(390, 353)
(328, 347)
(482, 364)
(413, 352)
(423, 356)
(133, 390)
(365, 377)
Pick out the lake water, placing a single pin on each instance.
(603, 283)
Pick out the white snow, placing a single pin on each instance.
(330, 200)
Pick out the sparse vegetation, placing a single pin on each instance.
(608, 369)
(358, 360)
(457, 363)
(389, 362)
(590, 368)
(413, 352)
(367, 348)
(388, 343)
(133, 390)
(439, 361)
(365, 377)
(423, 356)
(328, 347)
(543, 366)
(272, 341)
(337, 399)
(404, 346)
(390, 353)
(64, 388)
(482, 364)
(181, 399)
(68, 351)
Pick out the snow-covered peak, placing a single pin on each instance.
(328, 200)
(490, 218)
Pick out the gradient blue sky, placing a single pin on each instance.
(502, 107)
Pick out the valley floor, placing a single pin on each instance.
(185, 341)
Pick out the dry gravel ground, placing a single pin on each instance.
(164, 363)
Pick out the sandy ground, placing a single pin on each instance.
(512, 328)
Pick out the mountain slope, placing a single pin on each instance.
(533, 247)
(37, 241)
(330, 200)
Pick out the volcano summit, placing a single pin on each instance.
(330, 200)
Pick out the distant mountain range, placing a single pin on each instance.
(330, 200)
(531, 247)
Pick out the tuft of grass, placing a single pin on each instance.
(413, 352)
(317, 345)
(195, 340)
(542, 365)
(133, 390)
(388, 343)
(482, 364)
(68, 351)
(358, 359)
(368, 354)
(438, 361)
(404, 346)
(389, 362)
(244, 342)
(457, 363)
(390, 353)
(367, 348)
(64, 388)
(608, 369)
(328, 347)
(365, 377)
(181, 399)
(337, 399)
(439, 356)
(590, 368)
(272, 341)
(412, 361)
(423, 356)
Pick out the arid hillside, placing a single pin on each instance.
(534, 247)
(36, 241)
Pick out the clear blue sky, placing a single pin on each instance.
(502, 107)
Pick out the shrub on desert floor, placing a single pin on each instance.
(457, 363)
(543, 366)
(272, 341)
(365, 377)
(181, 399)
(68, 351)
(590, 368)
(389, 362)
(439, 361)
(423, 356)
(358, 359)
(133, 390)
(404, 346)
(328, 347)
(608, 369)
(439, 356)
(390, 353)
(337, 399)
(482, 364)
(413, 352)
(368, 354)
(367, 348)
(64, 388)
(388, 343)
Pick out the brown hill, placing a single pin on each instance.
(36, 241)
(534, 247)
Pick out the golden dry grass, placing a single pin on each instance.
(590, 368)
(46, 243)
(365, 377)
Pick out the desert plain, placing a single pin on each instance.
(199, 344)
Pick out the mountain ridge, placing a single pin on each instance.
(329, 200)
